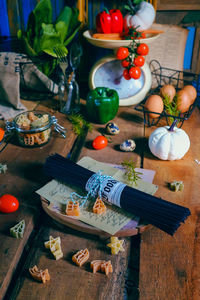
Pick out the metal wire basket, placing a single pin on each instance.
(160, 77)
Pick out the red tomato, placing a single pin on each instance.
(135, 72)
(139, 61)
(2, 133)
(143, 36)
(100, 142)
(8, 203)
(142, 49)
(126, 74)
(125, 63)
(122, 53)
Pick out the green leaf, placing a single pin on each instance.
(48, 67)
(74, 22)
(27, 48)
(48, 40)
(136, 2)
(43, 36)
(67, 24)
(43, 14)
(62, 28)
(70, 38)
(65, 15)
(127, 7)
(19, 34)
(51, 52)
(63, 22)
(30, 31)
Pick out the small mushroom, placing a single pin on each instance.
(128, 145)
(112, 128)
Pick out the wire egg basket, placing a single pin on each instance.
(162, 76)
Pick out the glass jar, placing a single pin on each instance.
(33, 128)
(69, 95)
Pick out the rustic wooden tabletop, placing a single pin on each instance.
(153, 266)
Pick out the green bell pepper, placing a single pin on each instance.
(102, 104)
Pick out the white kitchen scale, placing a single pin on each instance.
(108, 72)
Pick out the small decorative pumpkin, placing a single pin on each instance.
(141, 16)
(169, 143)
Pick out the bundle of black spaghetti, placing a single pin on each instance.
(161, 213)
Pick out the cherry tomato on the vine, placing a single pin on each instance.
(142, 49)
(139, 61)
(100, 142)
(125, 63)
(122, 53)
(135, 72)
(126, 74)
(8, 203)
(142, 36)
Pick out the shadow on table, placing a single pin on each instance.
(131, 117)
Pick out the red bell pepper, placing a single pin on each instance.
(109, 21)
(117, 21)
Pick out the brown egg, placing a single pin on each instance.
(169, 91)
(183, 101)
(191, 92)
(154, 104)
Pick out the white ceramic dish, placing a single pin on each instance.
(108, 72)
(113, 44)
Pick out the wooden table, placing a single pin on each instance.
(157, 266)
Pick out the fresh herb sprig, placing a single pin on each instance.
(171, 107)
(131, 174)
(79, 124)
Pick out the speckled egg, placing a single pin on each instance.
(128, 145)
(112, 128)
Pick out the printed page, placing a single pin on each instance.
(58, 194)
(169, 48)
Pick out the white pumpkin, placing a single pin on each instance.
(143, 17)
(169, 143)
